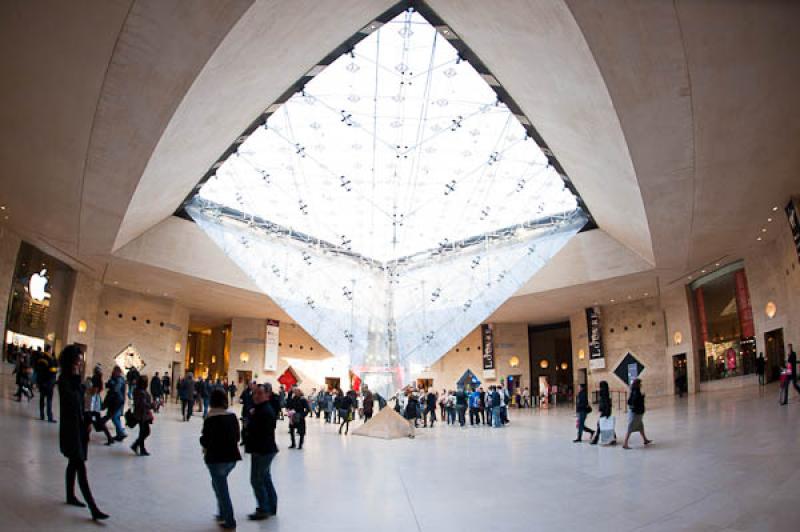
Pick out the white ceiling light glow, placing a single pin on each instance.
(392, 204)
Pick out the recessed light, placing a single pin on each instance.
(690, 277)
(2, 207)
(629, 297)
(702, 271)
(116, 282)
(718, 265)
(763, 229)
(612, 300)
(759, 239)
(769, 219)
(645, 294)
(775, 208)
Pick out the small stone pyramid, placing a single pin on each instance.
(386, 424)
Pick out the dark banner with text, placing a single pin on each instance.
(487, 336)
(596, 359)
(793, 213)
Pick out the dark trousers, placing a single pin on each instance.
(429, 412)
(442, 412)
(96, 421)
(344, 416)
(144, 432)
(261, 481)
(186, 409)
(301, 430)
(77, 467)
(761, 379)
(474, 416)
(46, 399)
(367, 415)
(582, 425)
(462, 418)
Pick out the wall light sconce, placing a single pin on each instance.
(244, 357)
(82, 326)
(177, 347)
(564, 365)
(581, 354)
(213, 359)
(513, 362)
(677, 338)
(771, 310)
(544, 364)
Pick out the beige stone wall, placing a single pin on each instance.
(637, 327)
(679, 316)
(83, 304)
(155, 342)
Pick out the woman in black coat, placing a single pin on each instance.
(220, 442)
(143, 411)
(73, 436)
(582, 409)
(299, 408)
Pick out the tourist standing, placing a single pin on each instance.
(791, 359)
(72, 435)
(46, 373)
(582, 409)
(443, 405)
(232, 390)
(91, 414)
(761, 366)
(430, 408)
(132, 377)
(165, 386)
(344, 406)
(636, 413)
(461, 406)
(220, 442)
(474, 407)
(143, 412)
(186, 393)
(260, 443)
(298, 409)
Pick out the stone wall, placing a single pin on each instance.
(159, 325)
(83, 305)
(636, 327)
(9, 247)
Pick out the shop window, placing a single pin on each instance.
(724, 321)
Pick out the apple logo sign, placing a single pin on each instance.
(37, 285)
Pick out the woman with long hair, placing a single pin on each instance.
(73, 438)
(143, 412)
(220, 442)
(604, 405)
(636, 413)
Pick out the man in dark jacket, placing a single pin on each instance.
(186, 393)
(582, 409)
(46, 369)
(260, 443)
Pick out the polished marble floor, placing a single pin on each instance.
(721, 461)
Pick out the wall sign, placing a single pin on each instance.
(596, 358)
(271, 346)
(487, 337)
(793, 214)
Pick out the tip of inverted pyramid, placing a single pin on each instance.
(386, 424)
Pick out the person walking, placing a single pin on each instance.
(92, 407)
(232, 390)
(46, 373)
(298, 409)
(131, 377)
(73, 438)
(369, 402)
(143, 412)
(186, 393)
(260, 444)
(165, 386)
(344, 406)
(220, 442)
(461, 406)
(791, 359)
(636, 413)
(761, 366)
(496, 402)
(474, 407)
(582, 409)
(115, 402)
(604, 406)
(156, 392)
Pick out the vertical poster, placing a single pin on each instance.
(596, 358)
(793, 214)
(487, 339)
(271, 346)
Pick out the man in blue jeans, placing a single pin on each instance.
(259, 441)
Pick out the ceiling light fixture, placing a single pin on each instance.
(775, 208)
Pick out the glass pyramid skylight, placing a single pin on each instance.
(393, 203)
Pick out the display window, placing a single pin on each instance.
(724, 321)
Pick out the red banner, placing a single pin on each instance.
(701, 315)
(743, 305)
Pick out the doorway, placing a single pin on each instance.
(773, 342)
(175, 374)
(679, 374)
(424, 384)
(332, 383)
(244, 376)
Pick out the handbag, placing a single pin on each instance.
(589, 409)
(607, 433)
(130, 419)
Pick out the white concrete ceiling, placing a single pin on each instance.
(677, 121)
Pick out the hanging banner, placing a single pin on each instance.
(487, 337)
(793, 214)
(271, 346)
(596, 358)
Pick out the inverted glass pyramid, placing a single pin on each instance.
(392, 204)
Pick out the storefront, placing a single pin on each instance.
(38, 300)
(724, 324)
